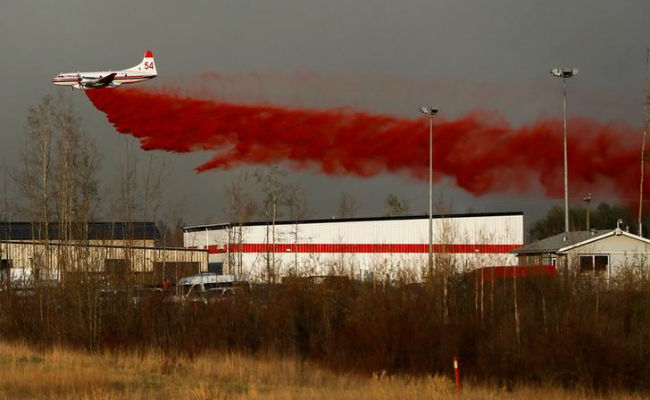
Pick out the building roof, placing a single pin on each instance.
(553, 244)
(225, 225)
(80, 231)
(100, 246)
(617, 232)
(557, 244)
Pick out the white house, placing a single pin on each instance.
(604, 252)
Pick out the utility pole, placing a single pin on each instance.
(646, 122)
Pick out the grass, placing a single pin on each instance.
(29, 373)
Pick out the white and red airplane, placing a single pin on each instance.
(90, 80)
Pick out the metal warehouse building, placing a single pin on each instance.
(115, 250)
(363, 248)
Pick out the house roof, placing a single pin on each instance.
(616, 231)
(553, 244)
(80, 231)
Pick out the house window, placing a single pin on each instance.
(549, 260)
(601, 263)
(594, 264)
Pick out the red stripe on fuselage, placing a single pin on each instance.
(75, 79)
(406, 248)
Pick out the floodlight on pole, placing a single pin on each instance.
(588, 201)
(564, 74)
(430, 112)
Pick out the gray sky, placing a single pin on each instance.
(379, 56)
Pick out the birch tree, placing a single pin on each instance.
(241, 208)
(273, 188)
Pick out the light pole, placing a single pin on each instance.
(565, 73)
(430, 112)
(588, 201)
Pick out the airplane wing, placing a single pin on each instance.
(100, 82)
(105, 80)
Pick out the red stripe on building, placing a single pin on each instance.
(361, 248)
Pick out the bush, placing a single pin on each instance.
(566, 331)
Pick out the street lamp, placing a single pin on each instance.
(564, 74)
(588, 201)
(430, 112)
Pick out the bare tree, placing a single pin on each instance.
(57, 179)
(76, 163)
(273, 188)
(395, 206)
(138, 192)
(58, 172)
(128, 183)
(75, 191)
(155, 176)
(171, 231)
(241, 208)
(33, 178)
(75, 188)
(348, 205)
(296, 203)
(6, 212)
(445, 262)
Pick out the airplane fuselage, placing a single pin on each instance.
(75, 79)
(100, 79)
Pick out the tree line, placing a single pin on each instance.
(603, 216)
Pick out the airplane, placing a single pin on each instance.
(108, 79)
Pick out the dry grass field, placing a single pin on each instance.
(57, 373)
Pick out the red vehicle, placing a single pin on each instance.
(497, 273)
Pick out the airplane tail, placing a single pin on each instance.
(147, 65)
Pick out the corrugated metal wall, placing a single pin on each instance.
(59, 257)
(365, 248)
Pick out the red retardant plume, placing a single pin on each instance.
(480, 152)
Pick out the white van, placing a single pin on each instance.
(196, 287)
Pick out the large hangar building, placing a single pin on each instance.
(362, 248)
